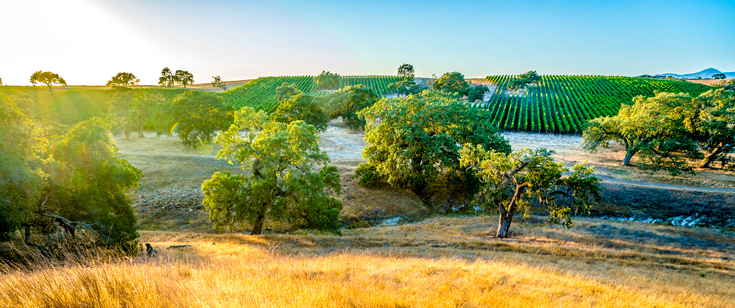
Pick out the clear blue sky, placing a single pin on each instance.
(87, 41)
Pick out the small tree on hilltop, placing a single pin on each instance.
(123, 79)
(183, 77)
(452, 82)
(415, 139)
(719, 76)
(513, 182)
(217, 82)
(167, 78)
(281, 181)
(406, 71)
(47, 78)
(523, 80)
(327, 81)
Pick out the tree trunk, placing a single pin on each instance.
(27, 234)
(628, 156)
(709, 158)
(258, 225)
(504, 224)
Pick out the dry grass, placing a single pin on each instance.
(442, 262)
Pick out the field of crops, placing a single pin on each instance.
(563, 104)
(261, 93)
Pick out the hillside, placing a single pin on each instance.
(704, 74)
(261, 93)
(563, 104)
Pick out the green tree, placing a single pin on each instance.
(89, 186)
(217, 82)
(710, 119)
(405, 87)
(301, 107)
(47, 78)
(195, 117)
(21, 176)
(142, 109)
(413, 139)
(406, 71)
(452, 82)
(513, 182)
(348, 101)
(477, 93)
(285, 91)
(280, 179)
(119, 114)
(123, 79)
(719, 76)
(183, 77)
(167, 78)
(327, 81)
(652, 127)
(523, 80)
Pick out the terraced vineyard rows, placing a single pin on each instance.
(261, 93)
(563, 104)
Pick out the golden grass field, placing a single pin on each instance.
(439, 262)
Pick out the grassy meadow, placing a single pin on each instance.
(439, 262)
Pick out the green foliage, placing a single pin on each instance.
(405, 87)
(89, 184)
(413, 139)
(21, 177)
(564, 104)
(348, 101)
(123, 79)
(452, 82)
(286, 91)
(194, 116)
(477, 93)
(301, 107)
(406, 71)
(514, 182)
(47, 78)
(183, 77)
(327, 81)
(167, 78)
(280, 179)
(523, 80)
(652, 128)
(217, 82)
(719, 76)
(710, 121)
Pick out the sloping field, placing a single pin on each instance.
(261, 93)
(563, 104)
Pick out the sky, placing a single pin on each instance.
(88, 41)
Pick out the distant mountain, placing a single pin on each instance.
(705, 74)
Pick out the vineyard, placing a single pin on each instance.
(261, 93)
(563, 104)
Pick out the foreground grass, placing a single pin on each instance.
(441, 262)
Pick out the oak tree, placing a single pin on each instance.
(517, 181)
(123, 79)
(452, 82)
(301, 107)
(183, 77)
(348, 101)
(47, 78)
(327, 81)
(167, 78)
(285, 176)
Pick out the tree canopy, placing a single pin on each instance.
(710, 121)
(327, 81)
(64, 178)
(406, 71)
(301, 107)
(513, 182)
(523, 80)
(348, 101)
(452, 82)
(183, 77)
(412, 139)
(47, 78)
(195, 116)
(477, 93)
(286, 177)
(719, 76)
(167, 78)
(123, 79)
(217, 82)
(286, 91)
